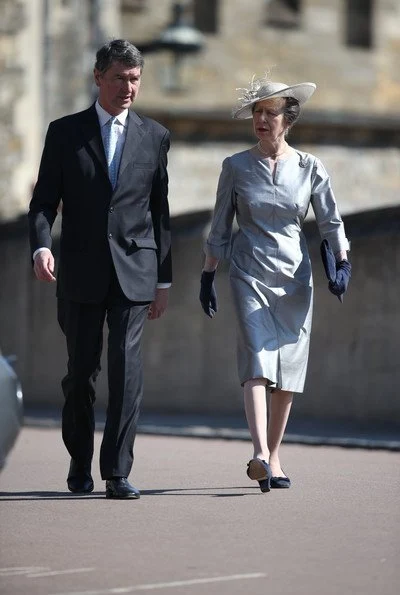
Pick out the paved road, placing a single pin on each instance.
(201, 527)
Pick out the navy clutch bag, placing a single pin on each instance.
(338, 273)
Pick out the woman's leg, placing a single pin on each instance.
(280, 403)
(255, 405)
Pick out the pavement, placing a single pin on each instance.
(201, 527)
(313, 432)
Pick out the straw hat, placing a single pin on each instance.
(261, 89)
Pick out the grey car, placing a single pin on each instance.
(11, 408)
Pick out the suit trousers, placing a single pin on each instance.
(82, 325)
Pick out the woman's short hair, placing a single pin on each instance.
(118, 50)
(291, 111)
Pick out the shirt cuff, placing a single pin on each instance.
(163, 285)
(39, 250)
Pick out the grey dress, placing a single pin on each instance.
(270, 269)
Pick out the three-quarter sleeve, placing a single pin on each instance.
(327, 215)
(218, 243)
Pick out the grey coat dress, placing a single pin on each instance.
(270, 268)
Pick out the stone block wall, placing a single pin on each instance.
(190, 360)
(47, 51)
(46, 58)
(13, 19)
(363, 177)
(351, 79)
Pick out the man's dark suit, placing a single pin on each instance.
(114, 249)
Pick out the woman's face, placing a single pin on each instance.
(268, 119)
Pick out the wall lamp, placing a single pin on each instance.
(181, 39)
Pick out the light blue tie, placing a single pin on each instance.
(112, 149)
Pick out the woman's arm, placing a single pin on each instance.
(327, 215)
(218, 243)
(210, 264)
(341, 255)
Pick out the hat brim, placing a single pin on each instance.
(302, 92)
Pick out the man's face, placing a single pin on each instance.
(118, 87)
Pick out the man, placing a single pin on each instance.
(108, 166)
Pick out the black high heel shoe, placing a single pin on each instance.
(259, 470)
(280, 482)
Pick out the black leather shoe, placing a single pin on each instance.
(280, 482)
(119, 487)
(80, 480)
(260, 470)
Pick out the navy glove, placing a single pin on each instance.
(343, 274)
(338, 273)
(208, 295)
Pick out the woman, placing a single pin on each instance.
(269, 189)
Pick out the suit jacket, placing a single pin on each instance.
(127, 227)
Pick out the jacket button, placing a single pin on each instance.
(111, 209)
(110, 235)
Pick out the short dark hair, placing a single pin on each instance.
(118, 50)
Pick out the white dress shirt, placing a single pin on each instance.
(120, 123)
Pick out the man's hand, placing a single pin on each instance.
(158, 307)
(44, 266)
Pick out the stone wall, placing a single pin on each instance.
(46, 58)
(13, 19)
(190, 361)
(363, 178)
(349, 79)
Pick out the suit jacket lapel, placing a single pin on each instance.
(92, 133)
(91, 130)
(134, 135)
